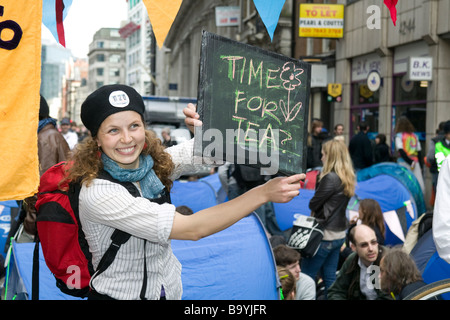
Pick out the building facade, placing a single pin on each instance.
(140, 49)
(412, 60)
(106, 58)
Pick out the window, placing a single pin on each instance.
(410, 100)
(100, 71)
(364, 107)
(114, 72)
(115, 58)
(100, 57)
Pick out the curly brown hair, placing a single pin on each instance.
(85, 163)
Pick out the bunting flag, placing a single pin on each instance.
(162, 13)
(392, 9)
(269, 11)
(20, 78)
(53, 14)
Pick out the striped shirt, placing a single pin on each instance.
(105, 206)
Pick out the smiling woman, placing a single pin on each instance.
(119, 147)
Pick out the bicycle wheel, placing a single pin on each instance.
(430, 290)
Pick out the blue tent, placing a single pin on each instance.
(234, 264)
(5, 222)
(432, 267)
(203, 193)
(404, 176)
(286, 213)
(397, 191)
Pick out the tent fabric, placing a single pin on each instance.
(19, 276)
(5, 222)
(396, 202)
(432, 267)
(234, 264)
(402, 174)
(189, 193)
(286, 213)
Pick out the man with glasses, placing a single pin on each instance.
(358, 277)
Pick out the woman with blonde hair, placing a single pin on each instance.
(334, 189)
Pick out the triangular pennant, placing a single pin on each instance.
(162, 13)
(269, 11)
(53, 14)
(392, 9)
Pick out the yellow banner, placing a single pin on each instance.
(162, 13)
(20, 78)
(321, 20)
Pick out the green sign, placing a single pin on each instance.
(254, 106)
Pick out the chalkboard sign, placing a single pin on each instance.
(254, 106)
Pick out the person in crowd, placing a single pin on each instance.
(398, 274)
(381, 150)
(290, 259)
(70, 136)
(357, 279)
(370, 214)
(360, 148)
(442, 147)
(184, 210)
(167, 138)
(52, 149)
(328, 205)
(121, 147)
(409, 149)
(430, 160)
(339, 131)
(288, 284)
(314, 143)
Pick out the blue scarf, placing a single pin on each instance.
(151, 186)
(46, 121)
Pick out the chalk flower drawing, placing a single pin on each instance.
(290, 76)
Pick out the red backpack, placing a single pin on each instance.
(64, 246)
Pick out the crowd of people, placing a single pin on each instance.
(350, 251)
(117, 142)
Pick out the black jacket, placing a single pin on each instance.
(360, 149)
(329, 203)
(382, 153)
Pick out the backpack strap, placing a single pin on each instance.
(120, 237)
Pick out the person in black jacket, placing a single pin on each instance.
(334, 189)
(381, 150)
(360, 148)
(316, 138)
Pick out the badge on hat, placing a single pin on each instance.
(119, 99)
